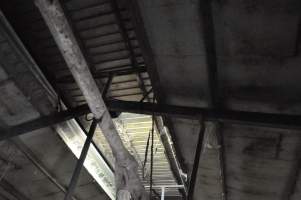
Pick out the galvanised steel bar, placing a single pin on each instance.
(81, 160)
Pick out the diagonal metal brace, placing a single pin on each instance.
(81, 160)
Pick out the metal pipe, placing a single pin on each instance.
(81, 161)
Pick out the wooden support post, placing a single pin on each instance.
(128, 184)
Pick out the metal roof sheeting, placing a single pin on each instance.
(108, 51)
(134, 131)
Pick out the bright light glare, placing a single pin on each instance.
(75, 138)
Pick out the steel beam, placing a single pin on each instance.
(107, 86)
(43, 122)
(196, 162)
(80, 161)
(212, 74)
(128, 44)
(105, 74)
(208, 33)
(146, 95)
(282, 121)
(145, 46)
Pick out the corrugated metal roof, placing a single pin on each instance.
(98, 31)
(134, 131)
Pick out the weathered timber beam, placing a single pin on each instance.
(127, 180)
(282, 121)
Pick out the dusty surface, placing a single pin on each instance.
(24, 98)
(258, 58)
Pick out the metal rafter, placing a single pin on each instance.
(42, 122)
(152, 71)
(81, 161)
(12, 190)
(197, 156)
(124, 34)
(282, 121)
(212, 74)
(105, 74)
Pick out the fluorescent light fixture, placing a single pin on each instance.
(75, 138)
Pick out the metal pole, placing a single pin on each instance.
(208, 30)
(162, 193)
(196, 162)
(81, 161)
(107, 86)
(145, 96)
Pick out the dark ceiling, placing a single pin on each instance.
(240, 55)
